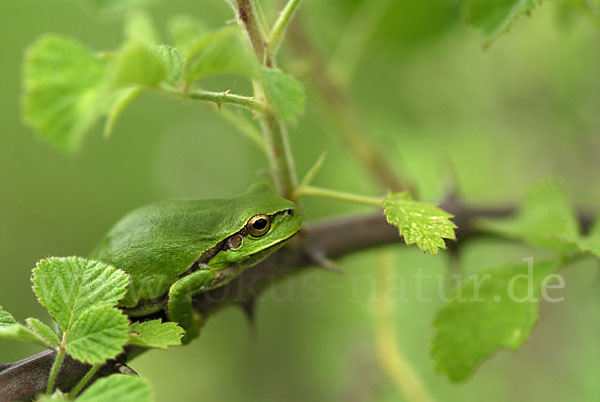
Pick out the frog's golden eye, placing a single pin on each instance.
(258, 225)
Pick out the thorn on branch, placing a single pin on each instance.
(318, 257)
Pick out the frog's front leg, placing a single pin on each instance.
(179, 306)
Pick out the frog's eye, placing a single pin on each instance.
(258, 225)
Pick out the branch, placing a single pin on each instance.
(274, 131)
(280, 156)
(244, 10)
(219, 98)
(334, 239)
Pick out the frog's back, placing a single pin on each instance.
(157, 243)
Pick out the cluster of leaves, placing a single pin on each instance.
(81, 296)
(480, 318)
(68, 87)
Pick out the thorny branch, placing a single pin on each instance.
(333, 239)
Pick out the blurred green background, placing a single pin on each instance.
(443, 109)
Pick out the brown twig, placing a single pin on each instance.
(333, 238)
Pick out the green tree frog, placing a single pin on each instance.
(177, 248)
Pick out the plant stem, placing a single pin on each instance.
(279, 28)
(280, 156)
(274, 131)
(310, 175)
(218, 97)
(83, 382)
(338, 195)
(60, 355)
(264, 25)
(389, 353)
(246, 14)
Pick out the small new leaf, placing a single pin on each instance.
(10, 329)
(419, 222)
(495, 17)
(43, 331)
(155, 334)
(118, 388)
(545, 220)
(224, 52)
(172, 60)
(68, 286)
(492, 310)
(98, 334)
(137, 63)
(284, 93)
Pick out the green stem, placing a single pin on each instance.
(338, 195)
(389, 353)
(280, 155)
(83, 382)
(264, 26)
(60, 355)
(310, 175)
(274, 132)
(244, 9)
(279, 28)
(219, 98)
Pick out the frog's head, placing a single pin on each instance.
(264, 221)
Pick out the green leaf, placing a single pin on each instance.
(43, 331)
(284, 93)
(495, 309)
(224, 52)
(545, 219)
(495, 17)
(138, 64)
(63, 90)
(155, 334)
(186, 32)
(68, 286)
(10, 329)
(117, 388)
(419, 222)
(98, 334)
(118, 101)
(139, 28)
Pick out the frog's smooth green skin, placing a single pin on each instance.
(175, 249)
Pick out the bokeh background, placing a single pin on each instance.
(444, 110)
